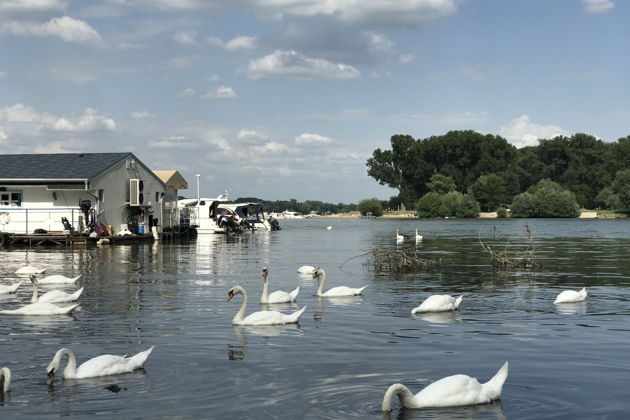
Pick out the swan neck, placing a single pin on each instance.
(241, 313)
(71, 368)
(5, 379)
(322, 280)
(35, 295)
(404, 395)
(265, 292)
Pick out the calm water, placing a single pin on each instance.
(570, 362)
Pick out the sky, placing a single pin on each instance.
(287, 99)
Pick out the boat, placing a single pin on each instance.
(221, 215)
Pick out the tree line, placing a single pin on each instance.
(304, 207)
(471, 167)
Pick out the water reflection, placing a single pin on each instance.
(320, 315)
(446, 317)
(480, 411)
(572, 308)
(239, 352)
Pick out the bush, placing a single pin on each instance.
(447, 205)
(545, 199)
(502, 213)
(371, 205)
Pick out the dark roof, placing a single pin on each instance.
(58, 165)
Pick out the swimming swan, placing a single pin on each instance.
(53, 295)
(320, 274)
(260, 317)
(399, 237)
(106, 364)
(438, 303)
(59, 279)
(279, 296)
(9, 289)
(40, 308)
(570, 296)
(5, 379)
(29, 269)
(456, 390)
(306, 269)
(418, 236)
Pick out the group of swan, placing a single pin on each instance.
(44, 305)
(104, 365)
(400, 238)
(279, 296)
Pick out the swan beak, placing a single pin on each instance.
(230, 296)
(51, 377)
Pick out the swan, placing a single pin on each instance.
(438, 303)
(53, 295)
(59, 279)
(260, 317)
(306, 269)
(40, 308)
(320, 274)
(279, 296)
(106, 364)
(328, 227)
(569, 296)
(456, 390)
(399, 237)
(29, 269)
(418, 236)
(5, 379)
(9, 289)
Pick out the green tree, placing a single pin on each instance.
(607, 199)
(621, 188)
(431, 205)
(490, 191)
(545, 199)
(371, 205)
(441, 184)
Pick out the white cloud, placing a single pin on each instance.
(306, 138)
(3, 135)
(522, 132)
(213, 78)
(249, 134)
(186, 93)
(65, 27)
(406, 58)
(178, 142)
(292, 65)
(141, 115)
(271, 147)
(238, 43)
(380, 43)
(597, 6)
(90, 121)
(222, 92)
(12, 7)
(185, 37)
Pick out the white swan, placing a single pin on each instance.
(328, 227)
(29, 269)
(306, 269)
(106, 364)
(10, 288)
(260, 317)
(279, 296)
(5, 379)
(451, 391)
(399, 237)
(58, 279)
(438, 303)
(43, 308)
(320, 274)
(418, 236)
(54, 295)
(570, 296)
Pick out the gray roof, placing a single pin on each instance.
(58, 165)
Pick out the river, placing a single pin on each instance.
(566, 361)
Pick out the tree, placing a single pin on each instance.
(607, 199)
(451, 204)
(621, 188)
(441, 184)
(490, 191)
(430, 205)
(545, 199)
(371, 205)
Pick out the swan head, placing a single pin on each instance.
(233, 292)
(52, 367)
(265, 272)
(33, 278)
(317, 272)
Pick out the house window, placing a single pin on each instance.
(11, 199)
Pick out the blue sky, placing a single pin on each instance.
(284, 99)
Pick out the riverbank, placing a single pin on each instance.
(585, 214)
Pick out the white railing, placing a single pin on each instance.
(14, 220)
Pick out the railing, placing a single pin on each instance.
(13, 220)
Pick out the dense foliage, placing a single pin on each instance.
(493, 171)
(545, 199)
(371, 205)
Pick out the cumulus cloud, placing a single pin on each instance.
(185, 37)
(238, 43)
(292, 65)
(187, 93)
(306, 138)
(597, 6)
(22, 7)
(90, 121)
(249, 134)
(222, 92)
(65, 27)
(522, 132)
(24, 115)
